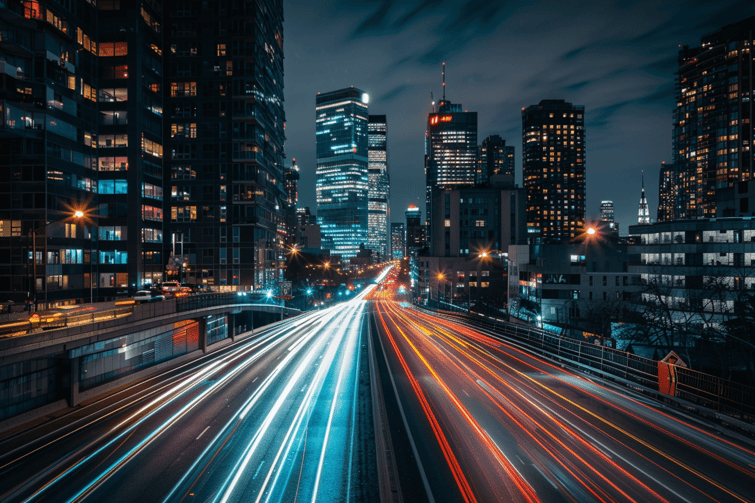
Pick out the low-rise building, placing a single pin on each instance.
(581, 286)
(696, 270)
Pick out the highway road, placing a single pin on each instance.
(280, 416)
(490, 422)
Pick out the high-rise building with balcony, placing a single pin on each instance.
(130, 147)
(342, 170)
(553, 159)
(48, 155)
(224, 128)
(378, 209)
(82, 127)
(713, 133)
(450, 149)
(495, 158)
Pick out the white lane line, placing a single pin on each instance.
(203, 431)
(258, 470)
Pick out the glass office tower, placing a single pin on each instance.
(379, 186)
(342, 170)
(450, 149)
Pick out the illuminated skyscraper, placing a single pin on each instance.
(415, 229)
(553, 158)
(398, 240)
(607, 216)
(606, 211)
(291, 179)
(379, 186)
(224, 128)
(450, 149)
(713, 134)
(496, 158)
(669, 193)
(342, 170)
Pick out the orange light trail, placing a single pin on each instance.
(449, 350)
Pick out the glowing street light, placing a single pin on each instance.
(591, 231)
(77, 214)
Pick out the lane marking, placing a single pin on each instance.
(203, 431)
(258, 470)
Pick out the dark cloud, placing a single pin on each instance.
(662, 94)
(392, 94)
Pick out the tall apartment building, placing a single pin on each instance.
(607, 216)
(669, 193)
(713, 133)
(415, 229)
(224, 129)
(495, 158)
(81, 128)
(398, 240)
(130, 146)
(342, 170)
(378, 208)
(450, 149)
(291, 183)
(553, 159)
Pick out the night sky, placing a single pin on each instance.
(616, 59)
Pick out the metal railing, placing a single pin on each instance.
(728, 397)
(49, 321)
(43, 321)
(721, 395)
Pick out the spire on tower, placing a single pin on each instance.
(643, 215)
(444, 81)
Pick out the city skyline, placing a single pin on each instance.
(621, 67)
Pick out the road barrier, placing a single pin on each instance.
(724, 396)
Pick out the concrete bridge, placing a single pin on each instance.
(46, 370)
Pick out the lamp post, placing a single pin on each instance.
(76, 214)
(440, 278)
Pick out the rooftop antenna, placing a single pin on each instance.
(432, 100)
(444, 81)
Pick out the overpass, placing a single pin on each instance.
(85, 355)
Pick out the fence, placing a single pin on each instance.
(728, 397)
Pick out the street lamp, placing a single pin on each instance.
(440, 278)
(77, 214)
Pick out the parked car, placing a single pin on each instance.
(143, 296)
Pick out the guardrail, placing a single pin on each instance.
(49, 321)
(42, 321)
(728, 397)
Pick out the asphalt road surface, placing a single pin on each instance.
(274, 418)
(490, 422)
